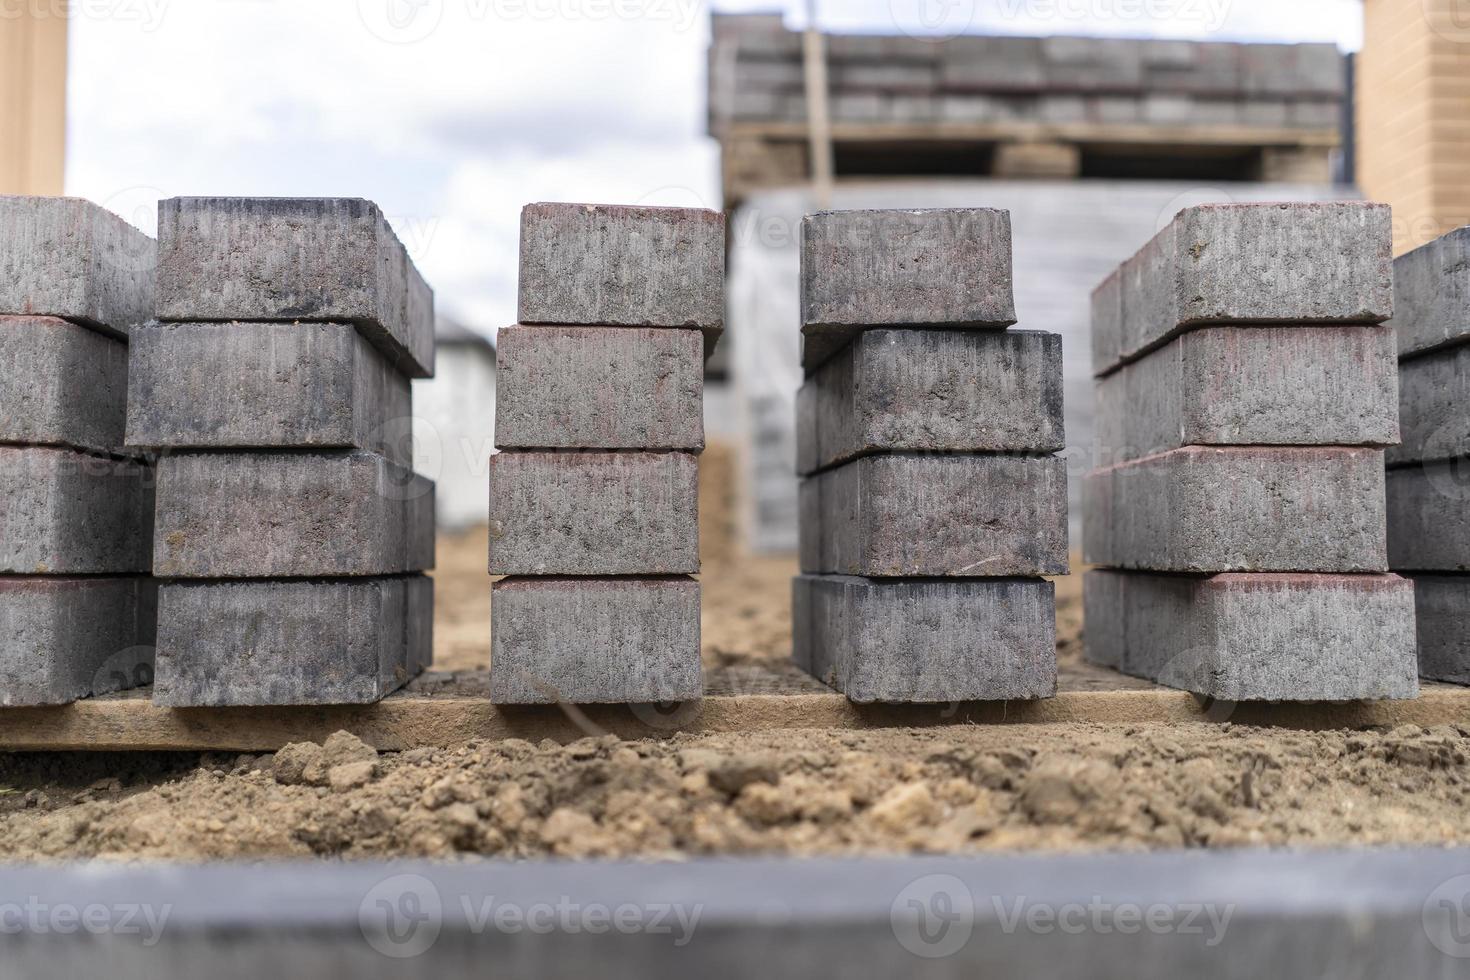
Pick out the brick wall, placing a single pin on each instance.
(1413, 97)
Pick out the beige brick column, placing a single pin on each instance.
(32, 97)
(1413, 96)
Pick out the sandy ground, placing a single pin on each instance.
(954, 789)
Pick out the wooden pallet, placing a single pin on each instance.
(450, 709)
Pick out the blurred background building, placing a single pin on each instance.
(32, 99)
(454, 424)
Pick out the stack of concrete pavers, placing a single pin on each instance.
(1428, 495)
(931, 503)
(290, 528)
(1245, 391)
(76, 601)
(599, 416)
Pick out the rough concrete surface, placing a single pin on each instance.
(1429, 517)
(288, 515)
(942, 267)
(266, 643)
(933, 391)
(623, 266)
(599, 388)
(595, 641)
(1431, 294)
(1434, 407)
(1253, 637)
(71, 513)
(61, 384)
(273, 258)
(265, 386)
(926, 641)
(66, 257)
(1245, 509)
(1442, 611)
(594, 514)
(67, 638)
(981, 516)
(1250, 263)
(1262, 386)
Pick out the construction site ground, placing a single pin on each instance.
(809, 779)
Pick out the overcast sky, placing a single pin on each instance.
(451, 114)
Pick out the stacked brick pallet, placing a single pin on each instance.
(1245, 391)
(1428, 495)
(931, 502)
(290, 528)
(756, 75)
(76, 602)
(599, 415)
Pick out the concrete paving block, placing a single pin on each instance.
(1429, 517)
(61, 384)
(926, 641)
(1431, 294)
(1089, 63)
(985, 516)
(265, 386)
(933, 390)
(69, 513)
(599, 388)
(62, 639)
(264, 258)
(986, 64)
(1257, 637)
(66, 257)
(1107, 320)
(1434, 407)
(594, 640)
(1218, 264)
(1239, 509)
(944, 267)
(1442, 612)
(623, 266)
(289, 515)
(1262, 386)
(353, 641)
(594, 514)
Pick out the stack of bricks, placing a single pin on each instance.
(931, 503)
(599, 415)
(76, 602)
(290, 528)
(1428, 496)
(756, 76)
(1245, 391)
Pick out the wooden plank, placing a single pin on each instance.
(748, 699)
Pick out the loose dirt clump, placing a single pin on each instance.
(972, 789)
